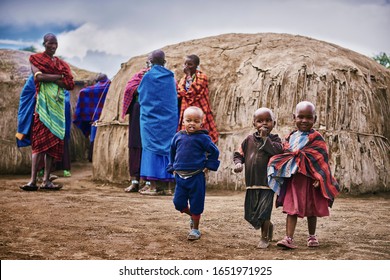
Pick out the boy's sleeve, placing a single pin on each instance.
(239, 155)
(172, 155)
(273, 145)
(212, 161)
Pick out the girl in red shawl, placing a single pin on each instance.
(193, 91)
(51, 75)
(309, 188)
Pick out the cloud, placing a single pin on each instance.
(124, 29)
(99, 62)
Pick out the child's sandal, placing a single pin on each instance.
(312, 241)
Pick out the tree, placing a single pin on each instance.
(383, 59)
(29, 49)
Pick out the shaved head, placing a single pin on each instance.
(101, 77)
(194, 110)
(48, 36)
(304, 104)
(263, 110)
(157, 57)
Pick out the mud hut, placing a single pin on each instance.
(14, 71)
(248, 71)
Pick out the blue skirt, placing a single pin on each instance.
(154, 167)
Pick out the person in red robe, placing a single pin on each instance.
(193, 90)
(51, 76)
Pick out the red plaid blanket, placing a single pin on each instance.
(48, 65)
(312, 161)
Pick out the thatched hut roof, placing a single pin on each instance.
(14, 71)
(248, 71)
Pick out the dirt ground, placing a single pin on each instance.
(92, 220)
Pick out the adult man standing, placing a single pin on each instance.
(51, 76)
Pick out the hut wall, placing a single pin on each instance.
(350, 91)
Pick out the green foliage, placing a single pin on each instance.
(383, 59)
(29, 49)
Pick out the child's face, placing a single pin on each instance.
(192, 121)
(263, 122)
(305, 118)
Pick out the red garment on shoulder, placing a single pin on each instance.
(197, 95)
(131, 89)
(53, 65)
(43, 141)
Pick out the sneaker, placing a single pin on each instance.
(312, 241)
(287, 242)
(263, 244)
(194, 235)
(67, 173)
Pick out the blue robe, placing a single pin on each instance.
(26, 110)
(158, 121)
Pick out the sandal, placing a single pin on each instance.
(145, 187)
(52, 177)
(312, 241)
(287, 242)
(29, 187)
(133, 187)
(50, 186)
(148, 191)
(194, 235)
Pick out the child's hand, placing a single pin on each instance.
(263, 132)
(237, 167)
(316, 183)
(205, 170)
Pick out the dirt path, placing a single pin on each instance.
(91, 220)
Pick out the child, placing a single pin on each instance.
(308, 187)
(192, 154)
(255, 151)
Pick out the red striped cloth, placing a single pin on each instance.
(43, 141)
(312, 161)
(130, 90)
(53, 65)
(197, 95)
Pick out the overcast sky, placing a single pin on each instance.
(99, 35)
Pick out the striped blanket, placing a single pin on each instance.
(51, 108)
(131, 90)
(90, 105)
(311, 160)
